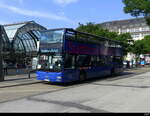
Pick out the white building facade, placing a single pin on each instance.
(137, 27)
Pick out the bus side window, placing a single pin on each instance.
(69, 61)
(87, 61)
(93, 61)
(80, 60)
(117, 60)
(108, 60)
(83, 61)
(101, 60)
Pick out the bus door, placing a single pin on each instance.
(70, 71)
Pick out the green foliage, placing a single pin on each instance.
(98, 30)
(146, 42)
(138, 47)
(127, 42)
(142, 46)
(138, 8)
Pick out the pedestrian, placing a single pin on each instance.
(5, 67)
(128, 64)
(17, 68)
(142, 63)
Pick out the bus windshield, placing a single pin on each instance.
(51, 41)
(55, 36)
(50, 63)
(50, 55)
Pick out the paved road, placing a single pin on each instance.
(127, 93)
(20, 86)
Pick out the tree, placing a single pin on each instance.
(127, 42)
(138, 8)
(138, 47)
(146, 44)
(96, 29)
(141, 46)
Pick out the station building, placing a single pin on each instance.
(20, 43)
(137, 27)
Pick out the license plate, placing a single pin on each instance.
(46, 80)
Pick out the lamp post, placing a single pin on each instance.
(1, 57)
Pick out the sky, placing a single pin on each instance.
(61, 13)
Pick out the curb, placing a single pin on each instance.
(22, 84)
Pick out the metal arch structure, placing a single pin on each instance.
(23, 38)
(27, 34)
(5, 40)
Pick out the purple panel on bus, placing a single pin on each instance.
(81, 48)
(73, 47)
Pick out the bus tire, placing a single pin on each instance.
(82, 76)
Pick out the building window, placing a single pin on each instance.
(137, 30)
(124, 30)
(145, 34)
(145, 29)
(136, 35)
(132, 30)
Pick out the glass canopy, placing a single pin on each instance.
(5, 40)
(24, 36)
(11, 30)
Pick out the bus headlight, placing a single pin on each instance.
(39, 66)
(59, 77)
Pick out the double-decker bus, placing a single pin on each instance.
(67, 55)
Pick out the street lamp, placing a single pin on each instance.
(1, 56)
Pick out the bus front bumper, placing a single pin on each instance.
(50, 76)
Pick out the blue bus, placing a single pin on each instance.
(67, 55)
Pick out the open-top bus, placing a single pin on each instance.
(67, 55)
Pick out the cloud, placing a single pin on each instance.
(32, 13)
(65, 2)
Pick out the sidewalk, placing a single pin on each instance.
(136, 68)
(19, 80)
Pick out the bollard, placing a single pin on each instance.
(29, 76)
